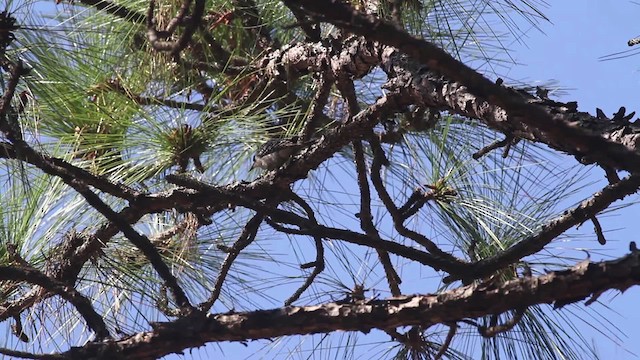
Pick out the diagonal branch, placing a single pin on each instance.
(376, 168)
(141, 242)
(366, 219)
(534, 243)
(245, 239)
(79, 301)
(318, 264)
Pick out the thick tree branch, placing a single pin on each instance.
(552, 127)
(559, 287)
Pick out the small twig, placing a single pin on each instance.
(11, 130)
(245, 239)
(172, 26)
(611, 174)
(348, 91)
(366, 219)
(115, 85)
(598, 229)
(318, 268)
(419, 198)
(492, 331)
(319, 262)
(28, 355)
(192, 23)
(453, 327)
(376, 179)
(494, 145)
(323, 85)
(17, 330)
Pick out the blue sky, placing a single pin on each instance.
(580, 33)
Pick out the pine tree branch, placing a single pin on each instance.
(80, 302)
(559, 288)
(548, 127)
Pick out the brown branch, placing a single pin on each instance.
(598, 229)
(534, 243)
(366, 219)
(562, 287)
(493, 330)
(141, 242)
(191, 25)
(494, 145)
(28, 355)
(245, 239)
(453, 327)
(551, 128)
(58, 167)
(323, 84)
(8, 117)
(82, 304)
(378, 184)
(319, 263)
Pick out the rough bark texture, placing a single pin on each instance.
(587, 279)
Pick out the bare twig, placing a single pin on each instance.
(141, 242)
(319, 263)
(598, 229)
(376, 179)
(28, 355)
(8, 117)
(492, 331)
(494, 145)
(192, 23)
(453, 327)
(245, 239)
(366, 219)
(323, 84)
